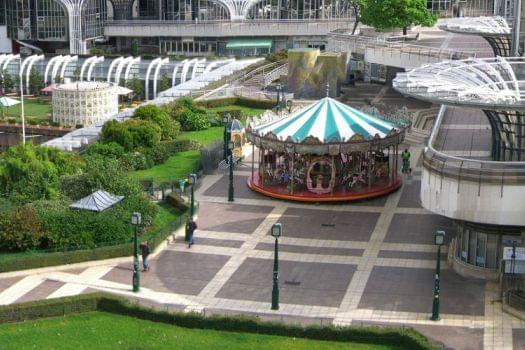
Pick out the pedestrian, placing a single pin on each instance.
(405, 155)
(144, 248)
(191, 226)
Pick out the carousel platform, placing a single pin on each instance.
(339, 194)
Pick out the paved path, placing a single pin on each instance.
(360, 263)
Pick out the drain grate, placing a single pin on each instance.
(292, 283)
(328, 225)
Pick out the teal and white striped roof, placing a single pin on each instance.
(327, 120)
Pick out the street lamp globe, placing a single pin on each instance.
(192, 178)
(136, 219)
(277, 230)
(439, 237)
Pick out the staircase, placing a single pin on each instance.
(422, 122)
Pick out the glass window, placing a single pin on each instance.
(94, 16)
(51, 21)
(481, 245)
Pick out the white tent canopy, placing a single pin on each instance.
(8, 102)
(97, 201)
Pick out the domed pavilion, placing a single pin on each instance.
(326, 152)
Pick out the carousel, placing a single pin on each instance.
(326, 152)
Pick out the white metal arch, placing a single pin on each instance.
(185, 69)
(135, 60)
(66, 62)
(120, 66)
(74, 10)
(25, 63)
(56, 67)
(6, 62)
(196, 67)
(92, 65)
(175, 71)
(150, 67)
(156, 75)
(50, 64)
(29, 67)
(3, 57)
(84, 66)
(113, 63)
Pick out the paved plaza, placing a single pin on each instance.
(370, 262)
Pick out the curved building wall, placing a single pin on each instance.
(84, 103)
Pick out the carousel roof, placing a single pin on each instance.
(327, 120)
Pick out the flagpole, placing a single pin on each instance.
(22, 102)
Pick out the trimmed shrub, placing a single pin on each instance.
(192, 121)
(169, 128)
(406, 338)
(176, 201)
(20, 229)
(131, 134)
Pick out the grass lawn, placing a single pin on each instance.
(183, 163)
(32, 110)
(205, 137)
(176, 167)
(98, 330)
(249, 111)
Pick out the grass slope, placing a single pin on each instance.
(98, 330)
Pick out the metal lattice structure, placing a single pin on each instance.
(84, 103)
(495, 30)
(495, 85)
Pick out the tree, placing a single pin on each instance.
(136, 85)
(388, 14)
(357, 6)
(7, 82)
(30, 172)
(134, 48)
(131, 134)
(165, 83)
(36, 82)
(169, 127)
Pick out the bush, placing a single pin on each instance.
(110, 149)
(192, 121)
(176, 201)
(131, 134)
(20, 229)
(11, 120)
(169, 128)
(79, 126)
(241, 101)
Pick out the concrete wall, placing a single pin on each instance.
(5, 43)
(474, 202)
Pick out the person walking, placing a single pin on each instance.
(191, 227)
(144, 248)
(405, 155)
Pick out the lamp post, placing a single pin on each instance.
(225, 121)
(439, 238)
(22, 114)
(278, 88)
(192, 178)
(135, 221)
(230, 188)
(277, 230)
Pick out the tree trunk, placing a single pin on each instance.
(355, 26)
(404, 30)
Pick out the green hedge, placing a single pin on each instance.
(32, 260)
(241, 101)
(405, 338)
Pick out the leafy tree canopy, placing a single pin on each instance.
(387, 14)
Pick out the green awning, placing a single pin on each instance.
(249, 44)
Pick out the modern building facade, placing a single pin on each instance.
(481, 192)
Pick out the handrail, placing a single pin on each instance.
(226, 21)
(362, 42)
(470, 169)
